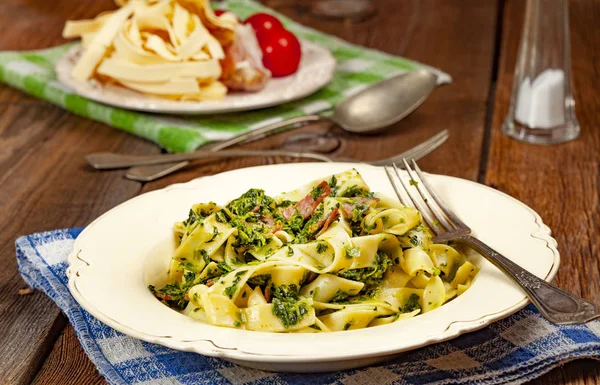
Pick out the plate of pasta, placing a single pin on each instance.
(182, 57)
(230, 266)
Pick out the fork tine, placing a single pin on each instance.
(400, 196)
(434, 141)
(416, 203)
(439, 202)
(416, 152)
(428, 199)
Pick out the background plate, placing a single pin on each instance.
(315, 71)
(115, 256)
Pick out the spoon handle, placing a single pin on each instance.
(150, 173)
(264, 131)
(111, 160)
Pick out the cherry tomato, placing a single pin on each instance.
(263, 21)
(281, 51)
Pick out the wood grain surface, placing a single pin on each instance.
(45, 184)
(561, 183)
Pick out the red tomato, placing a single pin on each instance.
(281, 51)
(263, 21)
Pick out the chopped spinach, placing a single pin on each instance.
(412, 304)
(230, 290)
(253, 200)
(333, 186)
(290, 311)
(322, 247)
(371, 276)
(340, 296)
(285, 292)
(225, 268)
(259, 280)
(173, 295)
(356, 191)
(214, 235)
(352, 252)
(316, 192)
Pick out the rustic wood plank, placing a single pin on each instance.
(73, 368)
(408, 28)
(562, 182)
(46, 185)
(31, 24)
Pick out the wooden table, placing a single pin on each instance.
(45, 183)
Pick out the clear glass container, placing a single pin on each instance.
(542, 109)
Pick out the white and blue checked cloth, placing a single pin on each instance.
(512, 351)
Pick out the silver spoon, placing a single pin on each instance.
(370, 110)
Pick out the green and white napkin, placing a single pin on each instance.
(33, 72)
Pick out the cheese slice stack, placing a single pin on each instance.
(167, 48)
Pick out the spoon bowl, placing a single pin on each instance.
(376, 107)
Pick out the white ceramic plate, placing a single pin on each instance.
(120, 252)
(315, 71)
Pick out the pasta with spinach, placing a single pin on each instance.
(329, 256)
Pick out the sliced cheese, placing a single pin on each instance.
(181, 20)
(152, 73)
(76, 28)
(102, 40)
(126, 50)
(167, 48)
(148, 20)
(158, 45)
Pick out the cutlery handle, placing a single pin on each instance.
(110, 160)
(149, 173)
(556, 305)
(264, 131)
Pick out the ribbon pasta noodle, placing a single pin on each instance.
(174, 49)
(329, 256)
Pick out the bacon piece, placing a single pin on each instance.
(348, 207)
(308, 204)
(242, 68)
(269, 221)
(324, 223)
(164, 297)
(332, 217)
(288, 212)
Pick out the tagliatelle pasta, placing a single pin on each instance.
(175, 49)
(329, 256)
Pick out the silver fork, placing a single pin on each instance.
(109, 160)
(556, 305)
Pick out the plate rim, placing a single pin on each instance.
(208, 347)
(86, 90)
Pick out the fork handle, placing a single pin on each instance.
(556, 305)
(111, 160)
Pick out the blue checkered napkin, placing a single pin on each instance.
(512, 351)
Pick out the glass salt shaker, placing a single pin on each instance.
(542, 109)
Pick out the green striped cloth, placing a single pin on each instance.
(33, 72)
